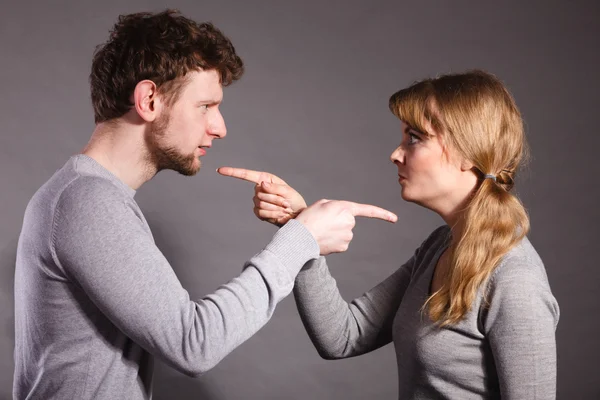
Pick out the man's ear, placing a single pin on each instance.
(146, 100)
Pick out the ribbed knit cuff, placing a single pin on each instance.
(294, 245)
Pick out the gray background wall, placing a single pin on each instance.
(312, 107)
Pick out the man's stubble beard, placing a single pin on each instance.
(164, 156)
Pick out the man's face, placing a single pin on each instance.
(184, 131)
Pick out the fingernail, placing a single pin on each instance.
(286, 204)
(266, 184)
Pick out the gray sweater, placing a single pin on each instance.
(95, 299)
(505, 350)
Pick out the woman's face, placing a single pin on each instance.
(430, 173)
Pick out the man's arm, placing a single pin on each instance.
(102, 245)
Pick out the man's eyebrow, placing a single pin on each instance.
(210, 102)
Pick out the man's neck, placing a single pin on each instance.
(121, 149)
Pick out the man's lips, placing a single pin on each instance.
(203, 149)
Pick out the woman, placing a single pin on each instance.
(471, 313)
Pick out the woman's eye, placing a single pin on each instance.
(412, 138)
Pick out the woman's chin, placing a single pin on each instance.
(405, 195)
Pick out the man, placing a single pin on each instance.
(95, 299)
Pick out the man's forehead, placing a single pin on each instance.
(205, 77)
(205, 84)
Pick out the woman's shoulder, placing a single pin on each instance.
(519, 288)
(522, 261)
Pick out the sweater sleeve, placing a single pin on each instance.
(339, 329)
(103, 247)
(520, 322)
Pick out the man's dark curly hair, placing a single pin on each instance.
(162, 47)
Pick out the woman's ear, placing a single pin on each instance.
(466, 165)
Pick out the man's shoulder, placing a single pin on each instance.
(92, 202)
(92, 189)
(69, 184)
(87, 194)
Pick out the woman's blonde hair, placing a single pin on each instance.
(478, 118)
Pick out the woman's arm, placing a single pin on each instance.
(520, 322)
(339, 329)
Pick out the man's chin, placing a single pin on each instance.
(191, 169)
(187, 167)
(188, 171)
